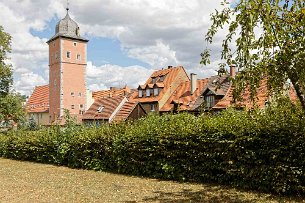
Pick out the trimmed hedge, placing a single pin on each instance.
(261, 150)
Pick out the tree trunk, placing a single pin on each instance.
(300, 92)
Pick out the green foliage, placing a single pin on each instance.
(265, 38)
(260, 150)
(11, 108)
(10, 103)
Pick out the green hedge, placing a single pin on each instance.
(263, 150)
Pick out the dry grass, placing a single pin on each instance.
(32, 182)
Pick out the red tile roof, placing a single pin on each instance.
(183, 95)
(125, 111)
(169, 75)
(260, 99)
(39, 100)
(113, 92)
(107, 106)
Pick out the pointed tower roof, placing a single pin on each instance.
(67, 28)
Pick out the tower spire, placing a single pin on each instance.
(67, 8)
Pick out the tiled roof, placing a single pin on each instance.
(169, 74)
(125, 111)
(107, 106)
(39, 100)
(183, 95)
(259, 101)
(113, 92)
(219, 84)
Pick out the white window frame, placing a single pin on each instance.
(154, 80)
(140, 93)
(148, 92)
(152, 107)
(72, 106)
(74, 44)
(156, 91)
(72, 94)
(68, 54)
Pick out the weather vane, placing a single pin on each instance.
(67, 6)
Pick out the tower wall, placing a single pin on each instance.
(54, 80)
(67, 77)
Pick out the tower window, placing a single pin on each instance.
(74, 44)
(72, 106)
(81, 106)
(72, 94)
(78, 56)
(79, 94)
(68, 54)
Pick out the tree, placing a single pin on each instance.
(10, 102)
(266, 38)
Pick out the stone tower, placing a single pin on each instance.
(67, 70)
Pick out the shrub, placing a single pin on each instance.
(260, 150)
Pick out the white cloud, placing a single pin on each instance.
(28, 81)
(108, 75)
(158, 33)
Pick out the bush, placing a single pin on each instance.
(260, 150)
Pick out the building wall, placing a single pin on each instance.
(39, 118)
(67, 77)
(138, 112)
(73, 77)
(54, 79)
(147, 107)
(181, 77)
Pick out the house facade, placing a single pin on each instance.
(37, 107)
(159, 87)
(113, 109)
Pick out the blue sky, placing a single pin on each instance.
(128, 39)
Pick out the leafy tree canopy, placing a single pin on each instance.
(10, 103)
(265, 38)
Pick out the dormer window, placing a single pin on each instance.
(154, 80)
(210, 101)
(156, 91)
(148, 92)
(162, 78)
(140, 93)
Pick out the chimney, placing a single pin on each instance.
(193, 82)
(232, 70)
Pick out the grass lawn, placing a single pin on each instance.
(32, 182)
